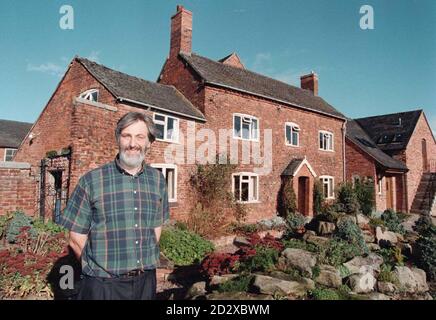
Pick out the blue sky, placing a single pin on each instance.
(361, 72)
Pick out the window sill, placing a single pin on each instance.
(242, 139)
(168, 141)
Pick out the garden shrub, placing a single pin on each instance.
(300, 244)
(347, 199)
(239, 284)
(263, 260)
(392, 221)
(294, 223)
(19, 221)
(387, 275)
(423, 224)
(349, 231)
(218, 263)
(288, 199)
(318, 197)
(48, 227)
(365, 194)
(184, 247)
(338, 251)
(325, 294)
(376, 222)
(268, 241)
(426, 251)
(392, 256)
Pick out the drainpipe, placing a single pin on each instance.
(344, 130)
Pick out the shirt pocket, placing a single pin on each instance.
(152, 210)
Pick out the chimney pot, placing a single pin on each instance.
(181, 32)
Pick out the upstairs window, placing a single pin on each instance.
(9, 154)
(245, 127)
(167, 127)
(246, 187)
(91, 95)
(325, 141)
(327, 186)
(292, 134)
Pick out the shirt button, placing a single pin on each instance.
(138, 262)
(136, 208)
(137, 242)
(134, 191)
(136, 226)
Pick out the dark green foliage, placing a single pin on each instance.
(184, 247)
(19, 221)
(386, 275)
(318, 197)
(48, 227)
(348, 231)
(300, 244)
(288, 199)
(337, 252)
(392, 221)
(423, 224)
(264, 259)
(239, 284)
(365, 194)
(376, 222)
(392, 256)
(426, 251)
(294, 223)
(347, 199)
(325, 294)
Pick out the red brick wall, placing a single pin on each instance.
(414, 156)
(2, 154)
(18, 191)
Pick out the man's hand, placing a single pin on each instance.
(77, 242)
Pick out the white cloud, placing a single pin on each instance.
(49, 68)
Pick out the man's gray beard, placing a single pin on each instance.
(133, 161)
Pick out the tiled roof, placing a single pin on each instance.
(124, 86)
(359, 137)
(216, 73)
(391, 132)
(12, 133)
(292, 166)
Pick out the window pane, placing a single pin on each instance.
(236, 182)
(244, 191)
(330, 187)
(170, 178)
(254, 128)
(94, 96)
(288, 134)
(321, 136)
(245, 130)
(160, 131)
(253, 193)
(295, 138)
(172, 129)
(237, 126)
(158, 117)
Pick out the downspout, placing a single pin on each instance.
(344, 130)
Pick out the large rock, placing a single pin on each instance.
(269, 285)
(385, 238)
(329, 276)
(362, 283)
(319, 241)
(216, 280)
(368, 236)
(299, 259)
(362, 221)
(361, 265)
(386, 287)
(325, 228)
(411, 280)
(241, 241)
(197, 289)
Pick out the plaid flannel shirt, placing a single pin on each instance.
(118, 212)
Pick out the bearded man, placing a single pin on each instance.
(115, 215)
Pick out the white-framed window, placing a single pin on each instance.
(245, 186)
(167, 127)
(325, 140)
(169, 171)
(355, 179)
(245, 127)
(91, 95)
(380, 185)
(292, 134)
(327, 186)
(9, 154)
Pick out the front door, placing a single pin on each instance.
(303, 197)
(389, 193)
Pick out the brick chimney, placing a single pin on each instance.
(181, 32)
(310, 82)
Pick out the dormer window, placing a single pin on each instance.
(91, 95)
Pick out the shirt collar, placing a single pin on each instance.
(123, 171)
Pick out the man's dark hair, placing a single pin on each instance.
(131, 118)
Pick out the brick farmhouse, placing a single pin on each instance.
(197, 101)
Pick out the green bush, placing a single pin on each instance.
(347, 198)
(325, 294)
(19, 221)
(300, 244)
(349, 231)
(423, 224)
(48, 227)
(392, 256)
(338, 251)
(365, 194)
(294, 221)
(265, 259)
(376, 222)
(386, 275)
(184, 247)
(426, 251)
(318, 197)
(288, 199)
(392, 221)
(238, 284)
